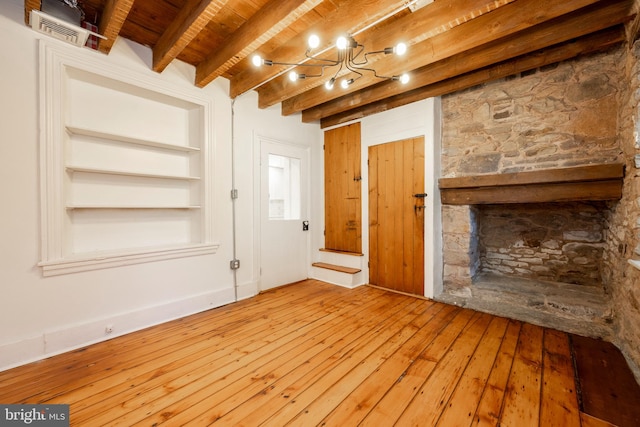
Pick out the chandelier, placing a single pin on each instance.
(351, 57)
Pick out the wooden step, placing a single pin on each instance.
(334, 267)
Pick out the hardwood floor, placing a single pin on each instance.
(316, 354)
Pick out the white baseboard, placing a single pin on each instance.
(62, 340)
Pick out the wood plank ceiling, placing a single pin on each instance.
(452, 44)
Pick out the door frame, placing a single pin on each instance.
(421, 118)
(258, 141)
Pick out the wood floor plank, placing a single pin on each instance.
(559, 401)
(428, 403)
(488, 411)
(226, 394)
(391, 406)
(340, 366)
(253, 412)
(463, 403)
(230, 356)
(521, 405)
(316, 354)
(405, 345)
(354, 407)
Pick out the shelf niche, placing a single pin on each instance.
(126, 166)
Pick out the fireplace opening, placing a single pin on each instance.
(549, 242)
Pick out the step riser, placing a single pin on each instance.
(337, 277)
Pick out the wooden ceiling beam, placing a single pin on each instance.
(499, 24)
(191, 19)
(591, 43)
(530, 41)
(114, 14)
(412, 28)
(263, 25)
(349, 17)
(541, 36)
(30, 5)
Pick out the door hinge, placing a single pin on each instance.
(234, 193)
(234, 264)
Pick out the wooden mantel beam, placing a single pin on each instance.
(262, 26)
(114, 14)
(581, 183)
(501, 23)
(191, 19)
(536, 38)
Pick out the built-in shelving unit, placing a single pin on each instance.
(125, 168)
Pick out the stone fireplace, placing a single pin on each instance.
(522, 236)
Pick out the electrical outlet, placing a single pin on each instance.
(108, 329)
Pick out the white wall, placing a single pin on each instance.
(43, 316)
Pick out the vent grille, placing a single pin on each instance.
(59, 29)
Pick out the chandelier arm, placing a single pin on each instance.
(315, 58)
(337, 72)
(353, 69)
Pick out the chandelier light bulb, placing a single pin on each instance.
(256, 60)
(400, 49)
(404, 78)
(314, 41)
(341, 43)
(293, 76)
(329, 83)
(345, 83)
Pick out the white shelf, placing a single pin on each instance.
(127, 173)
(80, 206)
(121, 138)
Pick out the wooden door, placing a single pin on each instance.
(343, 205)
(396, 215)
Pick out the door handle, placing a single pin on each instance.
(421, 195)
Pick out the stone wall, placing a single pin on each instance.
(623, 238)
(557, 116)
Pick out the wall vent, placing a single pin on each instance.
(59, 29)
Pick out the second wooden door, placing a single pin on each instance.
(396, 215)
